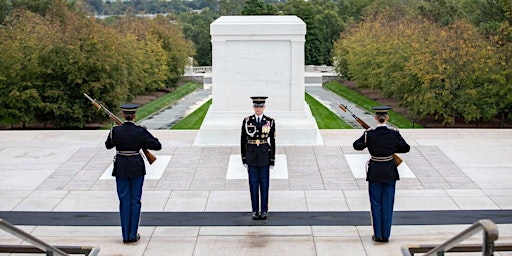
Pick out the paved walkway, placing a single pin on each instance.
(168, 117)
(462, 173)
(331, 101)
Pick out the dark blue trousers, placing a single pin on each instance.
(382, 199)
(129, 191)
(259, 184)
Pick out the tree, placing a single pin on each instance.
(482, 12)
(258, 7)
(441, 11)
(330, 24)
(4, 10)
(85, 57)
(503, 43)
(449, 72)
(352, 10)
(37, 6)
(229, 7)
(458, 72)
(196, 28)
(48, 62)
(323, 27)
(167, 33)
(24, 37)
(96, 4)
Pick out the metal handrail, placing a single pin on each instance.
(490, 234)
(94, 251)
(30, 249)
(49, 249)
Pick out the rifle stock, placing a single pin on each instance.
(152, 158)
(149, 156)
(344, 108)
(362, 123)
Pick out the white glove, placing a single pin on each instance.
(271, 167)
(246, 166)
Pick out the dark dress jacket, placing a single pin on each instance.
(382, 142)
(129, 139)
(264, 132)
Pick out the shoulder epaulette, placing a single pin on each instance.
(393, 128)
(369, 129)
(247, 118)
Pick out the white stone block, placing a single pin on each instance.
(258, 56)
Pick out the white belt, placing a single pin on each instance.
(381, 158)
(128, 153)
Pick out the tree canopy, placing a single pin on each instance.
(51, 54)
(447, 58)
(434, 60)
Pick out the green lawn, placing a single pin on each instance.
(166, 100)
(325, 118)
(194, 120)
(162, 102)
(351, 95)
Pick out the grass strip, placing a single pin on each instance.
(166, 100)
(160, 103)
(194, 120)
(325, 118)
(360, 100)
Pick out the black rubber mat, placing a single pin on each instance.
(359, 218)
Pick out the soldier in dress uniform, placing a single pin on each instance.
(382, 142)
(129, 168)
(258, 147)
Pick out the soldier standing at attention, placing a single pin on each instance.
(258, 147)
(382, 142)
(129, 168)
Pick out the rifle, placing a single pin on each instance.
(344, 108)
(150, 157)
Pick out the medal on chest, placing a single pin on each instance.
(266, 128)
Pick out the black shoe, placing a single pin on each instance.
(263, 216)
(380, 240)
(132, 240)
(255, 216)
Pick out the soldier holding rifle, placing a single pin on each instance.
(382, 143)
(129, 168)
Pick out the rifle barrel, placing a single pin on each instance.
(397, 159)
(345, 106)
(88, 97)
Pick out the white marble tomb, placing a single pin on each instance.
(258, 56)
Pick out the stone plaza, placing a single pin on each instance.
(192, 205)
